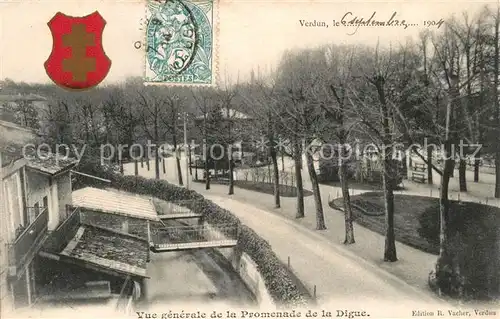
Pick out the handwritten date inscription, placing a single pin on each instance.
(394, 19)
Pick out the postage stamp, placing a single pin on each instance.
(179, 42)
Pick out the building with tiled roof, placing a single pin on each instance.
(24, 109)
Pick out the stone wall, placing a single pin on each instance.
(248, 271)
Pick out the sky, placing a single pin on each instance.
(252, 35)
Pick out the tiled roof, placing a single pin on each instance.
(50, 163)
(110, 250)
(113, 201)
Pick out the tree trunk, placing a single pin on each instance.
(157, 163)
(207, 169)
(405, 167)
(344, 184)
(177, 161)
(230, 155)
(190, 161)
(268, 171)
(282, 162)
(298, 176)
(477, 163)
(462, 171)
(497, 174)
(320, 217)
(179, 171)
(390, 238)
(388, 172)
(231, 179)
(445, 272)
(207, 175)
(121, 167)
(429, 165)
(276, 179)
(444, 262)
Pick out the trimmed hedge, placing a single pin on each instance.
(278, 279)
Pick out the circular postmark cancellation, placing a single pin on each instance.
(179, 42)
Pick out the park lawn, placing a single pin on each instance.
(407, 209)
(369, 211)
(474, 229)
(268, 188)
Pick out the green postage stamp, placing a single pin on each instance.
(180, 37)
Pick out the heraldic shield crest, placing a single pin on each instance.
(77, 60)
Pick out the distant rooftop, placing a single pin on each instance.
(21, 97)
(232, 114)
(12, 139)
(10, 153)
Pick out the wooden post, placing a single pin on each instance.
(149, 231)
(150, 241)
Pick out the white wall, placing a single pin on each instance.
(37, 186)
(64, 194)
(59, 194)
(13, 204)
(247, 269)
(253, 279)
(5, 300)
(54, 214)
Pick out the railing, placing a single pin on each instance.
(196, 236)
(30, 236)
(178, 208)
(60, 237)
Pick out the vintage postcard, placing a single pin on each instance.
(227, 159)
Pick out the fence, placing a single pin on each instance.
(178, 208)
(194, 236)
(29, 237)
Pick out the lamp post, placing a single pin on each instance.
(186, 153)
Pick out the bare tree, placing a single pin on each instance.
(226, 96)
(377, 96)
(301, 116)
(152, 105)
(120, 119)
(206, 101)
(257, 97)
(173, 113)
(448, 57)
(340, 61)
